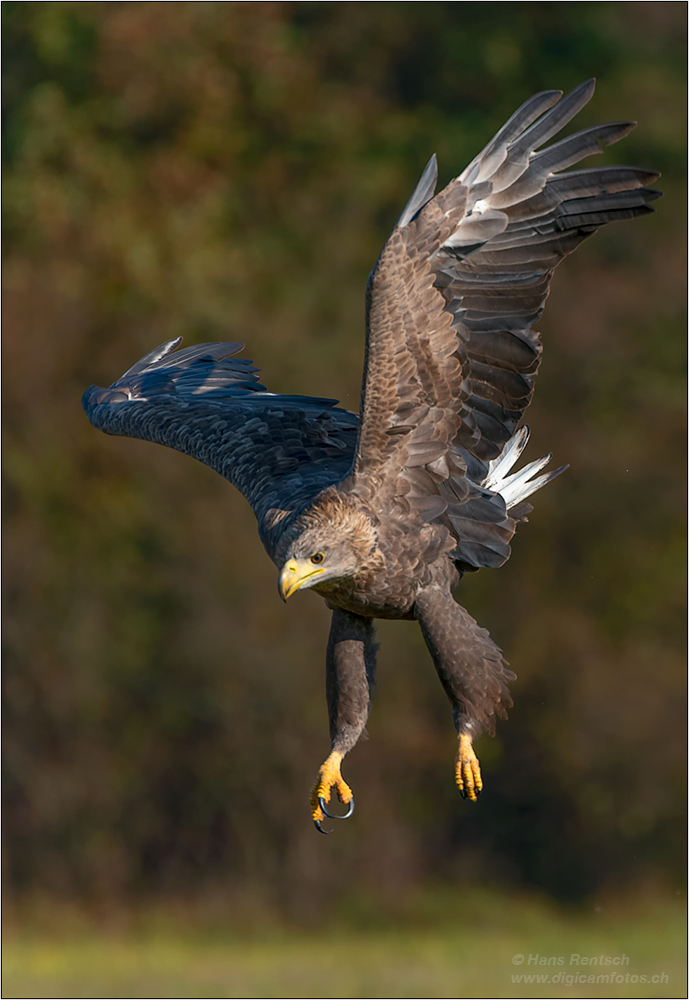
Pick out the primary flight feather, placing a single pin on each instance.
(383, 512)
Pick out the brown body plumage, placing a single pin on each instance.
(382, 514)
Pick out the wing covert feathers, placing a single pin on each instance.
(451, 354)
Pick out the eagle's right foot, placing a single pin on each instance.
(329, 777)
(467, 770)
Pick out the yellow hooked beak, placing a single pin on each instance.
(295, 574)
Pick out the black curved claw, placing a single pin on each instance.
(465, 794)
(350, 810)
(317, 824)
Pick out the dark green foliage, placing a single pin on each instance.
(230, 172)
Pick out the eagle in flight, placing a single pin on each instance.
(382, 512)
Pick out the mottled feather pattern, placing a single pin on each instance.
(411, 374)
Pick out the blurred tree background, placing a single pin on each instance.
(229, 171)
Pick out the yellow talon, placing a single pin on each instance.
(467, 770)
(328, 777)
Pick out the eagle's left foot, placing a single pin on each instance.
(467, 770)
(329, 777)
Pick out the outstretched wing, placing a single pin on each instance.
(451, 355)
(279, 451)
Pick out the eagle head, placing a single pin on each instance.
(335, 539)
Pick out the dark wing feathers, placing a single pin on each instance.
(450, 352)
(491, 241)
(151, 359)
(279, 451)
(422, 193)
(493, 156)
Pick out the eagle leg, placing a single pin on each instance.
(467, 770)
(329, 777)
(349, 678)
(471, 669)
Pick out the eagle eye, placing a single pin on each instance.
(317, 558)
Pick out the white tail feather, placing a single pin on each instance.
(501, 465)
(517, 487)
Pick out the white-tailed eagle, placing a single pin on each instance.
(382, 512)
